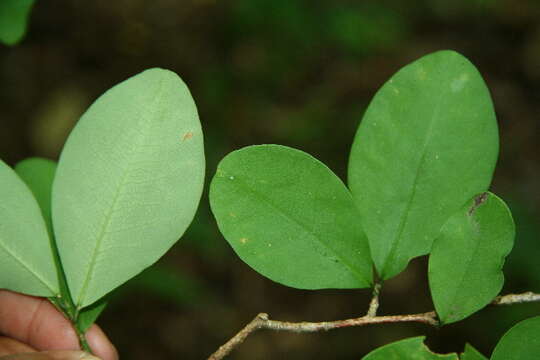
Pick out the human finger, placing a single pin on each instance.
(10, 346)
(36, 322)
(51, 355)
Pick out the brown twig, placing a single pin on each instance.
(374, 304)
(510, 299)
(239, 338)
(262, 321)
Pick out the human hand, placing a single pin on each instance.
(51, 355)
(32, 329)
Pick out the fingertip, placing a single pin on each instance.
(65, 355)
(100, 344)
(53, 355)
(10, 346)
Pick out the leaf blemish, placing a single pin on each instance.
(479, 200)
(187, 136)
(244, 240)
(459, 83)
(421, 73)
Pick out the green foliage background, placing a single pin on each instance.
(297, 73)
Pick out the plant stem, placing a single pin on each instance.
(374, 304)
(82, 340)
(262, 320)
(68, 308)
(81, 334)
(510, 299)
(63, 301)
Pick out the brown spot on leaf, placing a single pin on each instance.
(187, 136)
(478, 200)
(243, 240)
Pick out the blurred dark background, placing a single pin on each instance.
(298, 73)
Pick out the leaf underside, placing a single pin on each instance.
(427, 143)
(128, 182)
(465, 264)
(290, 218)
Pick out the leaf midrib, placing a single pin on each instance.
(463, 274)
(108, 217)
(397, 239)
(477, 244)
(303, 226)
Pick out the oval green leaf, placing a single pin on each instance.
(407, 349)
(128, 182)
(427, 143)
(38, 174)
(471, 353)
(465, 264)
(26, 259)
(290, 218)
(521, 342)
(13, 19)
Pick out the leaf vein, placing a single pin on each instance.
(304, 227)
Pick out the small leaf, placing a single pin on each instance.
(38, 174)
(471, 353)
(427, 143)
(128, 182)
(290, 218)
(89, 314)
(521, 342)
(465, 265)
(26, 259)
(13, 19)
(407, 349)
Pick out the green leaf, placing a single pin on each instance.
(38, 174)
(471, 353)
(521, 342)
(26, 260)
(128, 182)
(290, 218)
(13, 19)
(407, 349)
(427, 143)
(465, 264)
(89, 314)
